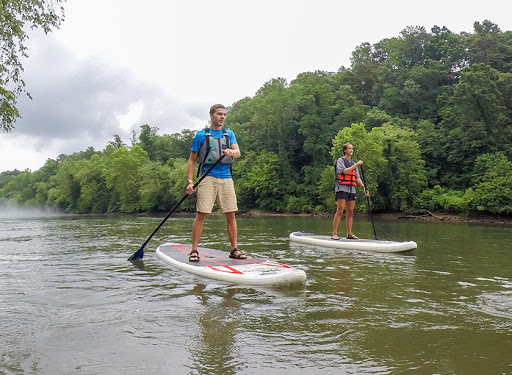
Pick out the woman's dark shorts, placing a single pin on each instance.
(346, 196)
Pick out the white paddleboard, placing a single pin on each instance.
(217, 265)
(361, 244)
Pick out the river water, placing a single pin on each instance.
(71, 303)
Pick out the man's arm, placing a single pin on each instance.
(190, 171)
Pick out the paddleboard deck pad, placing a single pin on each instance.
(217, 265)
(343, 243)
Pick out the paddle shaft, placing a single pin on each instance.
(368, 200)
(140, 253)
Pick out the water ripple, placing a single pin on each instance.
(69, 293)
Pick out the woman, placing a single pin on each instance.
(347, 176)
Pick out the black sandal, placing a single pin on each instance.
(237, 256)
(193, 256)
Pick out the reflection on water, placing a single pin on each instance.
(218, 323)
(72, 303)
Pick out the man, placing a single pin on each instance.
(347, 176)
(207, 147)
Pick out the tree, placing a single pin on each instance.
(123, 178)
(19, 189)
(93, 188)
(15, 17)
(66, 192)
(177, 169)
(404, 176)
(490, 46)
(147, 140)
(155, 191)
(7, 176)
(449, 49)
(477, 122)
(174, 146)
(44, 181)
(114, 144)
(493, 183)
(262, 182)
(433, 149)
(364, 72)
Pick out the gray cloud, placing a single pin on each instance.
(75, 102)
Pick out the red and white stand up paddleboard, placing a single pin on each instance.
(217, 265)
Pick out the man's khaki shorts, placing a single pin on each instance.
(213, 189)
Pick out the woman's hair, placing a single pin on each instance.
(345, 146)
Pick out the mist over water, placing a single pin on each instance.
(11, 211)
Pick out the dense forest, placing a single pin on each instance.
(429, 113)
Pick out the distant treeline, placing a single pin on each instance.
(430, 114)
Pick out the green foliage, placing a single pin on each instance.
(177, 169)
(122, 176)
(404, 175)
(16, 16)
(7, 176)
(432, 143)
(375, 118)
(298, 205)
(262, 184)
(66, 191)
(492, 181)
(364, 74)
(93, 188)
(489, 46)
(325, 187)
(477, 123)
(429, 113)
(445, 200)
(147, 140)
(163, 148)
(20, 188)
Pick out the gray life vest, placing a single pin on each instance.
(212, 149)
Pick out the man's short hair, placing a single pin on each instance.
(214, 107)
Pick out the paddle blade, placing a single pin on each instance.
(139, 254)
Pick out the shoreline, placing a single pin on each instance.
(24, 212)
(433, 217)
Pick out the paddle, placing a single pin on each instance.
(140, 253)
(368, 200)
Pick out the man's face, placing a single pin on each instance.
(218, 117)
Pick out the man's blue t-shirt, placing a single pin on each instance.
(221, 170)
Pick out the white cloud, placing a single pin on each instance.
(132, 116)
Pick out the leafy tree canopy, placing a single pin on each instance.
(15, 17)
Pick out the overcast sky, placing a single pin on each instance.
(115, 65)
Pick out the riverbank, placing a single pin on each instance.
(12, 212)
(401, 216)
